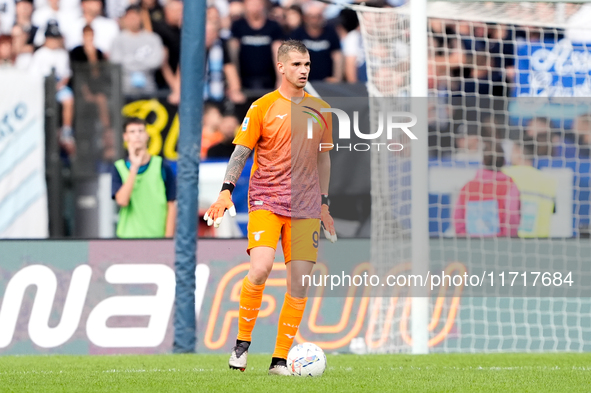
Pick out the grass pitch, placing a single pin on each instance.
(345, 373)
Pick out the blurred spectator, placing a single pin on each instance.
(52, 56)
(115, 9)
(235, 11)
(154, 11)
(144, 187)
(253, 46)
(23, 52)
(105, 29)
(220, 71)
(488, 205)
(277, 14)
(93, 89)
(323, 44)
(577, 142)
(577, 29)
(24, 12)
(51, 12)
(6, 16)
(87, 52)
(352, 43)
(293, 18)
(537, 191)
(139, 52)
(6, 52)
(70, 6)
(169, 31)
(582, 130)
(468, 143)
(225, 148)
(210, 135)
(538, 129)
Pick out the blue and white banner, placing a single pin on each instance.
(553, 69)
(23, 192)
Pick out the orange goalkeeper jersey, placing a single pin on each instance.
(284, 177)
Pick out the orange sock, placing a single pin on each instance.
(289, 322)
(251, 298)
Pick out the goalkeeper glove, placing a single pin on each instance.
(328, 224)
(215, 213)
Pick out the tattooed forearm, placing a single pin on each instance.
(236, 164)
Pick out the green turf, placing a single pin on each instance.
(345, 373)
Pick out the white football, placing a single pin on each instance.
(306, 360)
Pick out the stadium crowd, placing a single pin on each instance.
(466, 59)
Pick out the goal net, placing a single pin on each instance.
(509, 139)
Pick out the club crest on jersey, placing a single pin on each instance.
(245, 123)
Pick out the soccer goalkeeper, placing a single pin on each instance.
(288, 198)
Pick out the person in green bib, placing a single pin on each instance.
(537, 191)
(144, 188)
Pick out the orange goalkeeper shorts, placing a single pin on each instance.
(299, 236)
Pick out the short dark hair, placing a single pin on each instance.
(289, 46)
(133, 120)
(87, 29)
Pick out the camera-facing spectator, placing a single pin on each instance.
(144, 187)
(139, 52)
(105, 29)
(323, 44)
(52, 56)
(253, 46)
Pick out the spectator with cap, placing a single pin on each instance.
(105, 29)
(323, 44)
(253, 46)
(139, 52)
(52, 56)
